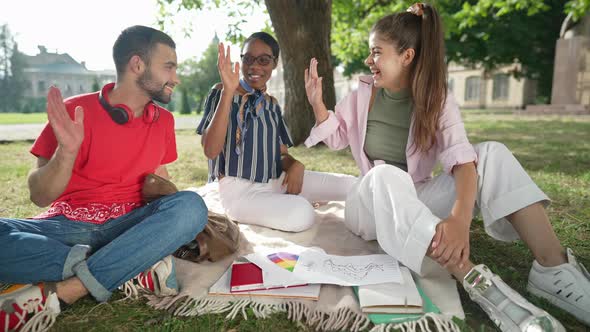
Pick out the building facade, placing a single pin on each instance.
(571, 74)
(46, 69)
(474, 88)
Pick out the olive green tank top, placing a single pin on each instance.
(388, 127)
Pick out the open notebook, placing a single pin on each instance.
(309, 292)
(247, 277)
(386, 318)
(402, 298)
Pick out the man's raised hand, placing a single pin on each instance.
(69, 133)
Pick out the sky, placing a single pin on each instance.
(87, 29)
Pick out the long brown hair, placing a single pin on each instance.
(421, 29)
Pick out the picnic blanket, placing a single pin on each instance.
(337, 307)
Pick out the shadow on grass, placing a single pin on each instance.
(556, 146)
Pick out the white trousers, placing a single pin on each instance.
(267, 204)
(386, 206)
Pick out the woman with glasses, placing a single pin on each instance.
(246, 140)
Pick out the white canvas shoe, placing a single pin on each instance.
(160, 280)
(566, 286)
(506, 308)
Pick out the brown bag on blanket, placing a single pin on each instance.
(220, 238)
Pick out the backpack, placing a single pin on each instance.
(220, 238)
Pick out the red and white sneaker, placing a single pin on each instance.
(27, 307)
(160, 279)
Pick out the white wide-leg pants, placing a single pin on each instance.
(267, 204)
(385, 205)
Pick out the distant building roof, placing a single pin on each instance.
(48, 62)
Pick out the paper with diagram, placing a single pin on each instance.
(296, 265)
(318, 267)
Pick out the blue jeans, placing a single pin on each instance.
(102, 256)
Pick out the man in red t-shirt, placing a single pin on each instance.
(93, 157)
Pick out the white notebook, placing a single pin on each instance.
(309, 292)
(402, 298)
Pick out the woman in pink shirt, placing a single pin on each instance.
(412, 215)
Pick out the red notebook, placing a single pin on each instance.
(247, 277)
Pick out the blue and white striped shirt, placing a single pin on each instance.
(260, 159)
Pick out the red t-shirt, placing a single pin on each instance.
(112, 162)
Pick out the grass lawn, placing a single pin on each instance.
(555, 151)
(22, 118)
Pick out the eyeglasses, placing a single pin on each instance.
(263, 60)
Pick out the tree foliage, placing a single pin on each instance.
(198, 76)
(185, 107)
(578, 8)
(493, 36)
(352, 21)
(488, 33)
(12, 63)
(312, 19)
(238, 12)
(95, 84)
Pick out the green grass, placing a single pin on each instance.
(22, 118)
(555, 151)
(191, 115)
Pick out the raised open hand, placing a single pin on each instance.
(313, 84)
(69, 134)
(230, 75)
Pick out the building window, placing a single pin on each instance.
(500, 88)
(451, 84)
(472, 88)
(41, 87)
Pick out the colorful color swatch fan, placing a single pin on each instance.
(284, 259)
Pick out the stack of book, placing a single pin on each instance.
(394, 302)
(246, 279)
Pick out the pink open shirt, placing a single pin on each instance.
(348, 127)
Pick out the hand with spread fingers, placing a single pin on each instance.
(69, 133)
(450, 245)
(230, 75)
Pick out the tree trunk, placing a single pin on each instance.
(303, 31)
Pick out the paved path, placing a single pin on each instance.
(21, 132)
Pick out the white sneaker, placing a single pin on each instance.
(566, 286)
(160, 280)
(505, 307)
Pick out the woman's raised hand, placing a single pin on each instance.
(313, 84)
(230, 75)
